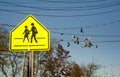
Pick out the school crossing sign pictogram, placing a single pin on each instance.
(30, 34)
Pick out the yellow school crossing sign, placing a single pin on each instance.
(30, 34)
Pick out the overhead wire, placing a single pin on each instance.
(61, 1)
(71, 8)
(9, 25)
(92, 26)
(51, 15)
(13, 11)
(90, 43)
(95, 7)
(69, 28)
(68, 44)
(85, 35)
(108, 41)
(63, 33)
(90, 1)
(80, 8)
(102, 41)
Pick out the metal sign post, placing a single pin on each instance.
(29, 65)
(22, 66)
(32, 64)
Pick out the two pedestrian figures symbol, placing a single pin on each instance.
(33, 32)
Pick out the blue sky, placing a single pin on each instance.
(73, 14)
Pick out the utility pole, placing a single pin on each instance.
(104, 71)
(112, 73)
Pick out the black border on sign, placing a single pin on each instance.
(10, 36)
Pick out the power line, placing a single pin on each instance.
(112, 22)
(63, 33)
(90, 14)
(85, 35)
(89, 43)
(103, 41)
(10, 25)
(68, 28)
(52, 1)
(48, 15)
(90, 1)
(71, 8)
(108, 41)
(90, 7)
(87, 6)
(92, 26)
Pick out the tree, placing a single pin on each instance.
(3, 47)
(8, 60)
(52, 63)
(73, 70)
(90, 69)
